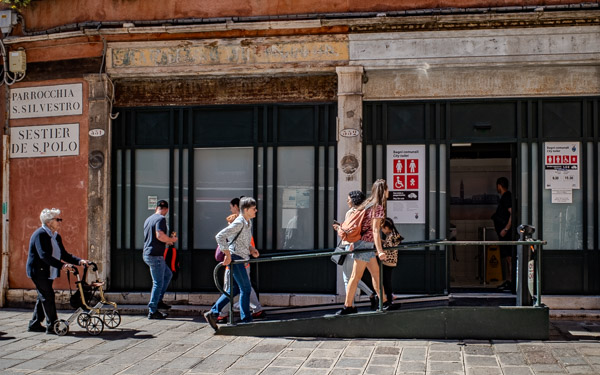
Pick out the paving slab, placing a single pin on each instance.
(187, 345)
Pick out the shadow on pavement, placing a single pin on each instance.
(114, 334)
(4, 337)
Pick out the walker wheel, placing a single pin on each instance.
(112, 319)
(95, 326)
(61, 327)
(83, 319)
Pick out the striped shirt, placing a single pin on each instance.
(241, 246)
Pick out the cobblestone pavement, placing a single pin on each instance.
(187, 345)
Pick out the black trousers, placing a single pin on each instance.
(387, 282)
(45, 306)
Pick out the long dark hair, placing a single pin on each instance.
(378, 195)
(389, 223)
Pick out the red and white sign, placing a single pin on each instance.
(561, 169)
(406, 184)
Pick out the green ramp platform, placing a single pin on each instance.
(446, 322)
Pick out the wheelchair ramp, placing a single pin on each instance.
(443, 322)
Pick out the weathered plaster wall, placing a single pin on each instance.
(479, 63)
(46, 182)
(62, 12)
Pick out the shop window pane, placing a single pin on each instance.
(220, 174)
(127, 198)
(524, 185)
(405, 121)
(433, 230)
(296, 124)
(482, 120)
(234, 125)
(535, 197)
(118, 216)
(561, 119)
(152, 128)
(151, 181)
(331, 192)
(563, 222)
(182, 232)
(590, 196)
(295, 195)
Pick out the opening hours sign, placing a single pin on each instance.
(561, 165)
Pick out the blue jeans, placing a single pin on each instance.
(161, 277)
(241, 285)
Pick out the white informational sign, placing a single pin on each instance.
(562, 196)
(296, 198)
(406, 183)
(561, 165)
(152, 202)
(44, 140)
(46, 101)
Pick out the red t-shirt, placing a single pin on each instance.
(373, 212)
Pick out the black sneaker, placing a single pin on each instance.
(347, 311)
(210, 319)
(374, 299)
(387, 305)
(157, 315)
(36, 328)
(163, 306)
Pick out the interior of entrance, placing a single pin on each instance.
(474, 169)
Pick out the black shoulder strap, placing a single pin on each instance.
(237, 235)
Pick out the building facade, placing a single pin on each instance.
(123, 104)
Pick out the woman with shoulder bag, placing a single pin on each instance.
(370, 239)
(355, 198)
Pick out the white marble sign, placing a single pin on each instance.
(44, 140)
(46, 101)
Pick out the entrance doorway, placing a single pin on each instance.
(474, 170)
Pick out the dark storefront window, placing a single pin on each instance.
(199, 159)
(524, 126)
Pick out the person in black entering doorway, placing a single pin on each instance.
(503, 224)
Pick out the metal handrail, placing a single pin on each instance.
(402, 246)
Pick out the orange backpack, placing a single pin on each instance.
(350, 229)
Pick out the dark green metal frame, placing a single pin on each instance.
(128, 270)
(582, 274)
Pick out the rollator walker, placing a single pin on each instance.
(96, 317)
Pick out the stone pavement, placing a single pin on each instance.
(187, 345)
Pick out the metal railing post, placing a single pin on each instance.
(231, 294)
(380, 307)
(538, 276)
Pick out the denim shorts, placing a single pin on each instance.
(364, 256)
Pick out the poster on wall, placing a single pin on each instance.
(406, 183)
(561, 165)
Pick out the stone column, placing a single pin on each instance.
(99, 173)
(349, 134)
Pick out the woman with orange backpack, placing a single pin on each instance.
(372, 217)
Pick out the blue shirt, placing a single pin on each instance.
(55, 251)
(152, 246)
